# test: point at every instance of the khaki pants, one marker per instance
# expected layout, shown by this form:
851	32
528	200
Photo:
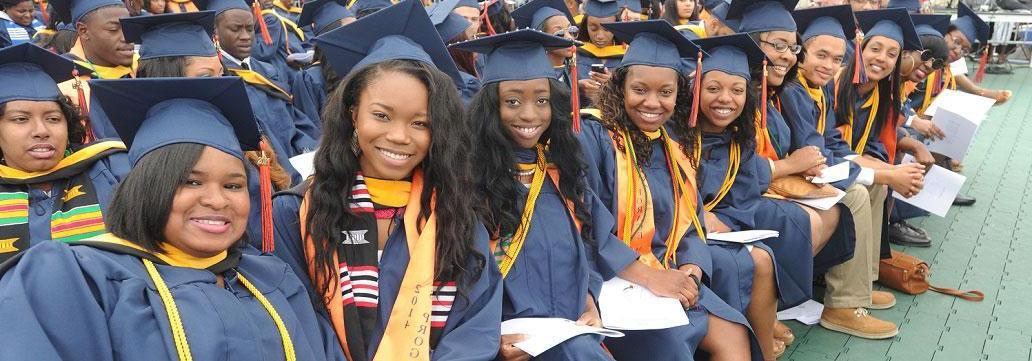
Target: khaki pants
879	193
850	283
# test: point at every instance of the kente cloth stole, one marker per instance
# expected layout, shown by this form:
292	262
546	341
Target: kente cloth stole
76	212
635	218
422	307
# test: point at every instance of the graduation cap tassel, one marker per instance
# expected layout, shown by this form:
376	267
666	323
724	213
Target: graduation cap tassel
261	23
265	180
858	62
84	110
571	68
696	87
983	62
46	15
763	97
486	16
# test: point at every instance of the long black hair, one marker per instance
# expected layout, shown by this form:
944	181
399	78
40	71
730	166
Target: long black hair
494	159
447	176
888	93
614	115
936	45
671	16
163	67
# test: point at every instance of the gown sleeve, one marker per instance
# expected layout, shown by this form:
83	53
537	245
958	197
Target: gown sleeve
51	310
801	113
611	255
477	335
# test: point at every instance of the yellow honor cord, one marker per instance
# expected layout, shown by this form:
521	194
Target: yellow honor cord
817	94
733	164
81	155
176	322
871	103
520	236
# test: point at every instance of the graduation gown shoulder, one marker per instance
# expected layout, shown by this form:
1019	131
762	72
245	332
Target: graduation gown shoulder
472	331
62	302
309	91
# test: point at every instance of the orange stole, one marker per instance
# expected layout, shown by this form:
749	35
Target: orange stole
635	217
407	335
180	6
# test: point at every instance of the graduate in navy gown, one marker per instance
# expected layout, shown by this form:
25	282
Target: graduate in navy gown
552	17
453	28
53	186
545	252
599	47
633	161
311	85
179	45
169	282
807	104
289	130
384	233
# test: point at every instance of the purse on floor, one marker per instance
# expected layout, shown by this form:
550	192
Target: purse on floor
909	274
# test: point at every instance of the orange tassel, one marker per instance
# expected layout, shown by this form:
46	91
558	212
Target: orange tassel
858	63
763	98
696	87
571	68
265	186
261	23
46	16
983	62
84	108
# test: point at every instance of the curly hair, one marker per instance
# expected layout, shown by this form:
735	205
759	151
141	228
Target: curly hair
446	172
494	158
73	119
614	112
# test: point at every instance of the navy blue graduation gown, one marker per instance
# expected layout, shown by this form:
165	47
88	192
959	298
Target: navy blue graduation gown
309	91
472	331
801	113
874	146
745	208
672	343
62	302
290	131
469	88
276	52
555	271
584	62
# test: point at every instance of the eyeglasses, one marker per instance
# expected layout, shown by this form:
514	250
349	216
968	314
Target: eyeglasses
926	56
782	47
958	46
572	30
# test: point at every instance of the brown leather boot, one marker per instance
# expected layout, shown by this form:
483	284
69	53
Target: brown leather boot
857	322
881	300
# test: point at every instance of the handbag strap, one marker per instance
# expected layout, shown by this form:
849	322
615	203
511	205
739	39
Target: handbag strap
973	295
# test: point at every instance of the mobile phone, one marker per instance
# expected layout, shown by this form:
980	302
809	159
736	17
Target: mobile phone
598	68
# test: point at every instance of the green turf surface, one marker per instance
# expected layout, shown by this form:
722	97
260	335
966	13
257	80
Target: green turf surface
987	247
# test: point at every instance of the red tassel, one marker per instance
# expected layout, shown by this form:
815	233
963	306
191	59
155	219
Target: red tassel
696	87
261	23
84	108
571	68
487	18
763	97
265	180
46	15
983	62
858	62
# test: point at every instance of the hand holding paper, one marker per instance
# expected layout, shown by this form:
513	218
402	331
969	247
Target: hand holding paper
628	306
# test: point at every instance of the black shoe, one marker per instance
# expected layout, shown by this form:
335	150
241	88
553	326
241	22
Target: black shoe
903	234
920	231
962	200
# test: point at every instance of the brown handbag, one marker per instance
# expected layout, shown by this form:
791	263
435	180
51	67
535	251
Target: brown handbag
797	187
909	274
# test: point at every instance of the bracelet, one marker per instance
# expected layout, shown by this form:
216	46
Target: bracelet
771	161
